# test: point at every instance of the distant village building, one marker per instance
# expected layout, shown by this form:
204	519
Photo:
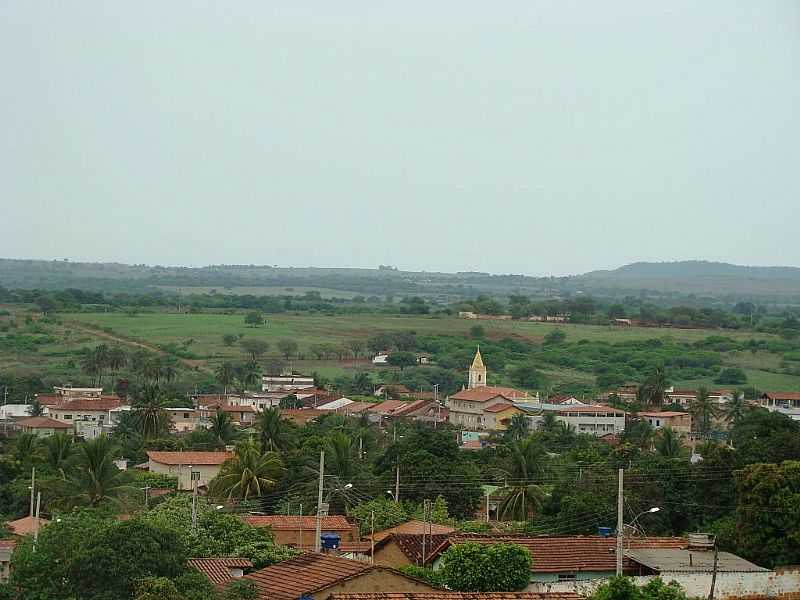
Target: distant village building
284	382
186	466
679	422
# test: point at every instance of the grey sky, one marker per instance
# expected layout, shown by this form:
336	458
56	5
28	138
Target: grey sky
527	137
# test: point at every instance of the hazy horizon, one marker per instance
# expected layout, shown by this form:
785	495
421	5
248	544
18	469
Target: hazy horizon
544	138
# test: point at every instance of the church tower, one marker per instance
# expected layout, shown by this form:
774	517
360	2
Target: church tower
477	372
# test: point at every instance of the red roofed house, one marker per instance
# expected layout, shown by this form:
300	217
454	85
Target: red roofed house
680	422
414	527
221	570
317	576
468	408
42	426
401	549
26	525
205	466
497	416
241	415
773	400
94	412
300	531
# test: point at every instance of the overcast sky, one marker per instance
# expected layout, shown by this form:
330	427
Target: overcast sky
512	137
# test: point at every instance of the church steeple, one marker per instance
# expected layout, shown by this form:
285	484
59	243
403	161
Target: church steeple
477	372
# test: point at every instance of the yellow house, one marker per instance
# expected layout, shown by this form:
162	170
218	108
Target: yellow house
497	416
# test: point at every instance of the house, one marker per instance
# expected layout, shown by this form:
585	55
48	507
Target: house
183	419
6	550
301	416
286	382
300	531
400	549
14	411
497	416
43	426
26	525
565	558
414	527
243	416
200	466
775	400
381	359
221	570
316	576
594	419
683	397
94	410
622	322
679	422
563	399
625	393
395	390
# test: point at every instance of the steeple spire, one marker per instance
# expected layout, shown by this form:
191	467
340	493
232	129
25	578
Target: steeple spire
477	372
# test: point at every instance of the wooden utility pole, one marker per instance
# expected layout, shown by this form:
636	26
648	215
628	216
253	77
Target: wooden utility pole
714	572
317	540
620	525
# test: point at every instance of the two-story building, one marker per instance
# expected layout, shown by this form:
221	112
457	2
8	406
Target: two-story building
680	422
187	466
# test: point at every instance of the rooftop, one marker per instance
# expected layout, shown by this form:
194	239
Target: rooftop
690	561
577	408
304	575
189	458
782	395
664	414
296	522
100	404
411	544
448	595
500	407
415	528
218	570
25	525
43	423
482	394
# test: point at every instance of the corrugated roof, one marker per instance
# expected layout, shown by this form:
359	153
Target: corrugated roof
218	569
305	574
411	545
557	554
296	522
675	560
447	595
189	458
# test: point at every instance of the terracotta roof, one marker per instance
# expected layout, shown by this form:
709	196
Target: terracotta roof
411	407
411	544
43	423
448	595
304	575
388	407
357	547
482	394
189	458
590	408
218	569
500	407
100	404
25	525
295	522
414	527
8	544
48	399
782	395
559	399
552	554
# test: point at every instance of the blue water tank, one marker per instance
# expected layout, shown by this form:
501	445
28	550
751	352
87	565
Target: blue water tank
329	541
604	531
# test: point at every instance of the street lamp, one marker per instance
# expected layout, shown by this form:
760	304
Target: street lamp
391	493
649	511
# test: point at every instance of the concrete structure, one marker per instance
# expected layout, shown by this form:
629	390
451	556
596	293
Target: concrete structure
315	576
14	411
679	422
42	426
498	416
300	531
184	419
205	466
6	550
92	410
477	372
778	400
597	420
286	382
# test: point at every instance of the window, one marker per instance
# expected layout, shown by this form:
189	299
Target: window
67	417
195	475
566	576
185	415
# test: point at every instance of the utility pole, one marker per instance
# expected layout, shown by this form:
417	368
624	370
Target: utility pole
317	541
33	486
300	541
426	507
146	495
372	537
194	498
714	572
487	505
620	525
397	484
36	520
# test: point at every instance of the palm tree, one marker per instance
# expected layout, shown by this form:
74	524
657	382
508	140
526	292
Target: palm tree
94	478
524	498
249	474
221	425
226	375
247	373
116	359
91	366
25	445
549	421
57	449
703	410
518	427
272	430
667	443
339	453
654	387
149	407
736	409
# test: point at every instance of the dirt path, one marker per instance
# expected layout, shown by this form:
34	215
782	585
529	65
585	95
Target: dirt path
188	363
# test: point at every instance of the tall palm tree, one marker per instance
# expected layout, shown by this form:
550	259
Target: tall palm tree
667	443
248	474
116	359
525	497
221	425
57	449
226	375
549	421
735	410
93	477
247	373
272	430
339	454
149	406
518	427
25	445
655	386
703	411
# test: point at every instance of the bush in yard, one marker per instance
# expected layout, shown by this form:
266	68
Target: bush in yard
474	567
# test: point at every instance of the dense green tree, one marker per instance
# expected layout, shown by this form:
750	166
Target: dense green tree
667	443
93	478
254	347
249	474
57	450
518	427
402	359
221	425
148	406
525	496
475	567
703	410
35	408
273	430
254	318
229	339
763	436
288	347
555	337
226	374
731	376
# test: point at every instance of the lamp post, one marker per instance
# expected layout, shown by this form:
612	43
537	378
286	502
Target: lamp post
649	511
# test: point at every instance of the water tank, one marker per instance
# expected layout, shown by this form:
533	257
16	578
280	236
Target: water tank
604	531
329	541
704	541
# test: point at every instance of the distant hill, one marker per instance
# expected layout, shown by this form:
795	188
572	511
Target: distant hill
666	281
